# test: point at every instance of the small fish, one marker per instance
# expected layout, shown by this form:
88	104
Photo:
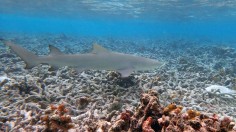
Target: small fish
99	59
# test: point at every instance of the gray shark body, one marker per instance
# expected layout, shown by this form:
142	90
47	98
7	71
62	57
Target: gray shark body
99	59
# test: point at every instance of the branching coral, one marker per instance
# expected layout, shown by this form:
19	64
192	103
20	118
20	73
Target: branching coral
55	119
150	116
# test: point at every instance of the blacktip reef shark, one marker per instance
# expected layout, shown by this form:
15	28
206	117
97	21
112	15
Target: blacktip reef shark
99	59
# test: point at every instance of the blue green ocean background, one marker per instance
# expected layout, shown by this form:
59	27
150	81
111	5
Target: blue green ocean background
204	19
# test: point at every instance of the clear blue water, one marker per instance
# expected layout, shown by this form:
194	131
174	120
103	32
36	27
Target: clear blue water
202	19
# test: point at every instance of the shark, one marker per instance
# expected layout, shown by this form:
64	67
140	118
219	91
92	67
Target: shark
99	58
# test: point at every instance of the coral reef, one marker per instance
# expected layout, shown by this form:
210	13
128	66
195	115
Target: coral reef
55	119
150	116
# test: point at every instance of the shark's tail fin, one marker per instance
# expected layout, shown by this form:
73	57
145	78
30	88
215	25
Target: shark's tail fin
29	58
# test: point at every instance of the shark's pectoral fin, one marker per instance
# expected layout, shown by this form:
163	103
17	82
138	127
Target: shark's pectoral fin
53	68
125	72
29	65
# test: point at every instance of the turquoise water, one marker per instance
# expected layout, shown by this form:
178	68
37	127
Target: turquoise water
206	19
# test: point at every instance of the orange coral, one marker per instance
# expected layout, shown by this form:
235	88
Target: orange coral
61	109
172	109
192	114
53	107
169	108
56	119
178	109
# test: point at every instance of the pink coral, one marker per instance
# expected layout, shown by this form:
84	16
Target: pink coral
146	127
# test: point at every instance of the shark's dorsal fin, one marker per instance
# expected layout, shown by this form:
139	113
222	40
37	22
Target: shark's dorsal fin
99	49
54	51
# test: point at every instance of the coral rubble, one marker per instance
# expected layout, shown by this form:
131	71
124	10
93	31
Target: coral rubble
150	116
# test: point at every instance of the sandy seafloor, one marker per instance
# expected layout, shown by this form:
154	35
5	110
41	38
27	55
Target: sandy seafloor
190	67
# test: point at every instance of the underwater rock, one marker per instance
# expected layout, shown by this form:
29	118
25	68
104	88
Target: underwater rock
123	123
115	106
218	65
102	126
183	60
191	65
82	102
7	55
116	78
3	80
